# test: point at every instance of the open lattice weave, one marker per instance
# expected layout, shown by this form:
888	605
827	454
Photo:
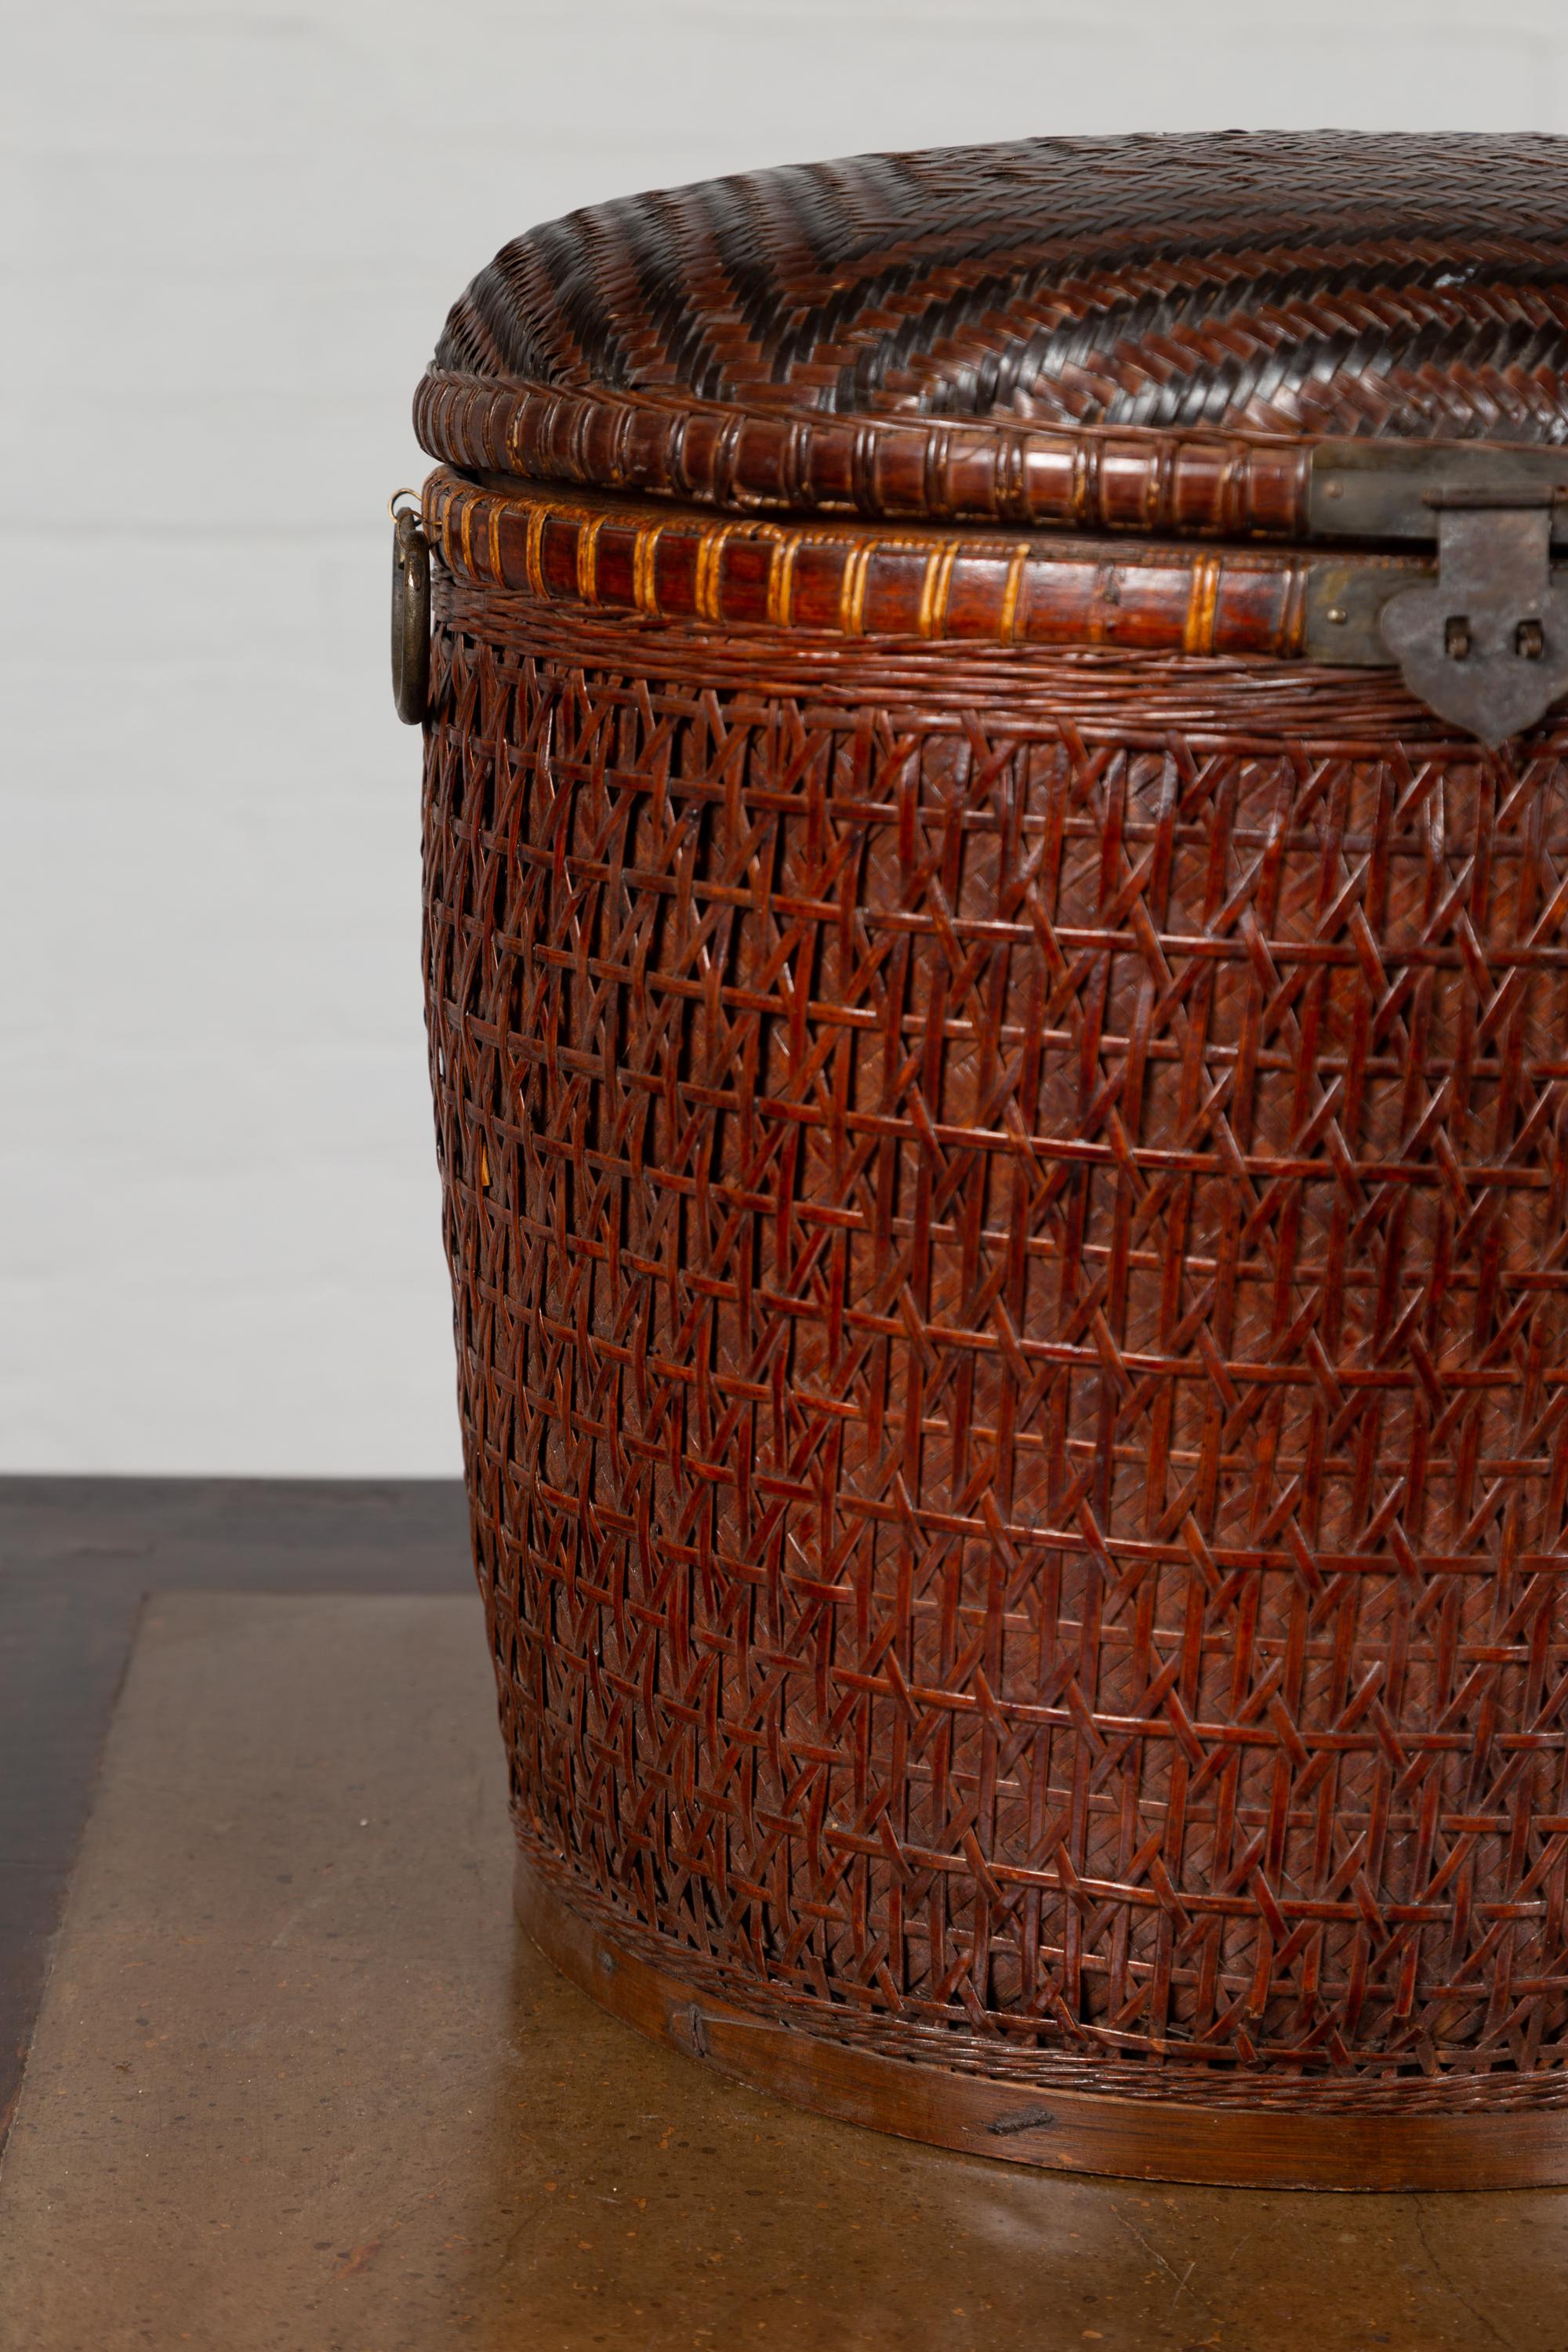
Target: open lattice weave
1009	1215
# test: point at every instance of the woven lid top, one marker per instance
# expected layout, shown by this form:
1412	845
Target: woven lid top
765	339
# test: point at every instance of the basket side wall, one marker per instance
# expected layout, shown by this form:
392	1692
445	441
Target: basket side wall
1009	1273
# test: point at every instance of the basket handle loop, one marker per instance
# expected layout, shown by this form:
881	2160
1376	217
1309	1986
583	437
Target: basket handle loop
410	609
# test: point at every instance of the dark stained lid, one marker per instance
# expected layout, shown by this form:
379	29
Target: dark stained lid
986	331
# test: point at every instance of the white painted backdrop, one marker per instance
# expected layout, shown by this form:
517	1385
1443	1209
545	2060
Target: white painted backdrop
231	230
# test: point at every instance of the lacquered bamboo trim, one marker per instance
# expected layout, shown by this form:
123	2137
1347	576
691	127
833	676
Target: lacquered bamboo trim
1207	484
856	579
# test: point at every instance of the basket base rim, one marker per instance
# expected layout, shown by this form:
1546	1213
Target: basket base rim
1129	2139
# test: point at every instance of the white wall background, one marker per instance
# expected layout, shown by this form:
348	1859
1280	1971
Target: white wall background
231	231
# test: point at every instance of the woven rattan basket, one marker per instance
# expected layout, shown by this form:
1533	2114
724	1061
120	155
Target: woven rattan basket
996	858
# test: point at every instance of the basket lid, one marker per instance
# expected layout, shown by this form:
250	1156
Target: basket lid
1148	332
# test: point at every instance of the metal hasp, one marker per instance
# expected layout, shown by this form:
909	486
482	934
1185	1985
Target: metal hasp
410	614
1487	646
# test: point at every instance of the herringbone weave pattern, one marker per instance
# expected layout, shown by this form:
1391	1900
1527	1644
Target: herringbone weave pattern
1145	334
1010	1229
1320	281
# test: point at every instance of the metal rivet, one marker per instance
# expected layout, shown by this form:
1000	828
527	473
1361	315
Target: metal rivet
1336	613
1333	489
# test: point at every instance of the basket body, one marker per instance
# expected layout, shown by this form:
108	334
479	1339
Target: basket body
1005	1166
1009	1227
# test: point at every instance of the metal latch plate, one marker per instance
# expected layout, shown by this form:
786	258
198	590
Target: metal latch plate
1485	645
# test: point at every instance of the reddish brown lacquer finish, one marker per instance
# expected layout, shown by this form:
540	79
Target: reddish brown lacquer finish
849	579
1005	1150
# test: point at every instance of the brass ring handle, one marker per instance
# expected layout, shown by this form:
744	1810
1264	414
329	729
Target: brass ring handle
410	611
